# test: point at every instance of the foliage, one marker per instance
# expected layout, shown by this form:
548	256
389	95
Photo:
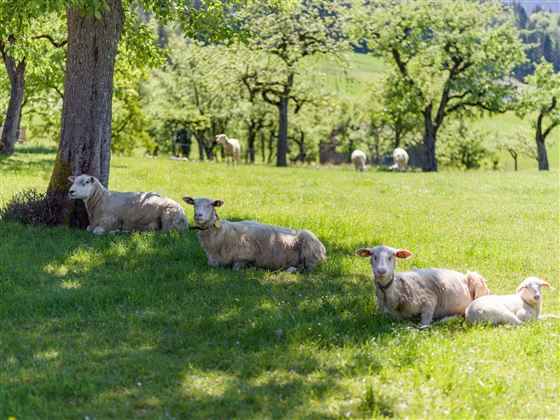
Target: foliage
453	59
541	94
138	325
464	147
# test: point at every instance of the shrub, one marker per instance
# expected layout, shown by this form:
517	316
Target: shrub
31	207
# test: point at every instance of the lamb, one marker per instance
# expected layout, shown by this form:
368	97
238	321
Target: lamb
510	309
126	211
232	148
359	160
429	292
400	160
245	243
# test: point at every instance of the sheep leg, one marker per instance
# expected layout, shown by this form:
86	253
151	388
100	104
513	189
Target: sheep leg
239	264
99	230
548	316
90	228
510	318
212	262
426	316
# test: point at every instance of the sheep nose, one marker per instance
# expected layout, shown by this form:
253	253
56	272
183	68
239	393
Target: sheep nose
72	191
381	271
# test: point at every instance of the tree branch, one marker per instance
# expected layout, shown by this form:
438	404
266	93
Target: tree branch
52	40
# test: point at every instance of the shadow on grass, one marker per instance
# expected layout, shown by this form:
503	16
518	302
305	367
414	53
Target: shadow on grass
138	324
8	164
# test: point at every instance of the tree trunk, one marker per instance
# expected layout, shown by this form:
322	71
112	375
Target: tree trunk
430	131
542	156
397	137
85	137
251	137
16	74
282	148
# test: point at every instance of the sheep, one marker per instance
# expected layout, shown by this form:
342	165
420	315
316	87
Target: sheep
232	148
245	243
125	211
359	160
400	160
510	309
428	292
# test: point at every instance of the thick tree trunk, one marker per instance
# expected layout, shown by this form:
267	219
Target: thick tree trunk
542	156
430	131
282	147
85	137
16	74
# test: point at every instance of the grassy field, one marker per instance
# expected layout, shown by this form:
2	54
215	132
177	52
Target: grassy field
138	325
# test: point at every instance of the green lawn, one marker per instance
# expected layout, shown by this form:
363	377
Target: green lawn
138	326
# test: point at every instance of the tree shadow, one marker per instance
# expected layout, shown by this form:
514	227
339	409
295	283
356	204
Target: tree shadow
139	324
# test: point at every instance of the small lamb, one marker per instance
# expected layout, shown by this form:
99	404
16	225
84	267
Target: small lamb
125	211
245	243
429	292
359	160
510	309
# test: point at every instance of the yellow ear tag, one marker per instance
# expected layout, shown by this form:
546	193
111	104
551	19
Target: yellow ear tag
218	224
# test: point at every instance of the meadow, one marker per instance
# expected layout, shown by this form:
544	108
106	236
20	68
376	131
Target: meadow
138	325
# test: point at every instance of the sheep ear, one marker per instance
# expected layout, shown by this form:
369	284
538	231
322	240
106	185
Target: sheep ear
218	203
403	253
364	252
189	200
71	178
545	284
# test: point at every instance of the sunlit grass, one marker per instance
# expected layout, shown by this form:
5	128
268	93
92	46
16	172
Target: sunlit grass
138	325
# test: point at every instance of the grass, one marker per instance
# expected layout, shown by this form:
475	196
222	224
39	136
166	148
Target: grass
138	325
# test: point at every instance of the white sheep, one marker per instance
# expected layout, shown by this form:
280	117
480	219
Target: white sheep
400	160
434	292
232	147
514	309
359	160
126	211
245	243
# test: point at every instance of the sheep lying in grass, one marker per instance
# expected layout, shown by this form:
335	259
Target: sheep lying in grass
359	160
125	211
400	160
240	244
510	309
431	292
232	147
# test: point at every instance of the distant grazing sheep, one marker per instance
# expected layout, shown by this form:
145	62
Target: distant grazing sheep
232	148
510	309
427	292
245	243
126	211
359	160
400	160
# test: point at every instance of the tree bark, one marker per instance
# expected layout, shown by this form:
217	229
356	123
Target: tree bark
282	147
540	137
85	137
251	137
430	131
542	156
16	74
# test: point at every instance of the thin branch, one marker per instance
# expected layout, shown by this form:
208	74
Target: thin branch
52	40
